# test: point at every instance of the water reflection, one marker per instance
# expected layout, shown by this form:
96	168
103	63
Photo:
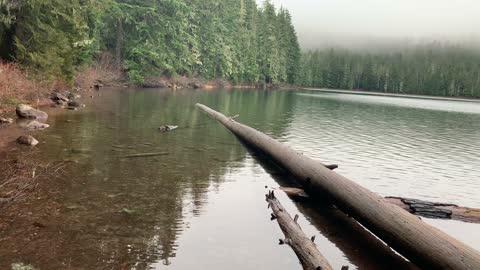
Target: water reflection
394	150
121	212
201	203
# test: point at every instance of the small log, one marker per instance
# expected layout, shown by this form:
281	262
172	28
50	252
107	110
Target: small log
416	240
417	207
304	248
167	128
147	155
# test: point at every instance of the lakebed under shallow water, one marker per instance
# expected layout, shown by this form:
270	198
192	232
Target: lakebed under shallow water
201	203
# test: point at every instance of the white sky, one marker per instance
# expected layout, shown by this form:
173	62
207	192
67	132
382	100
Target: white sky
321	21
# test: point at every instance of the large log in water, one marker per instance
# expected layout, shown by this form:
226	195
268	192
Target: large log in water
307	252
421	243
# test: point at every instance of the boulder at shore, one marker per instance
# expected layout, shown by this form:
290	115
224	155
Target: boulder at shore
59	96
27	140
33	125
6	121
60	102
25	111
73	96
74	104
195	85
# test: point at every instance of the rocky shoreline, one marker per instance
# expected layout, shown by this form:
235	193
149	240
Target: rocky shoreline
20	164
21	125
31	119
27	119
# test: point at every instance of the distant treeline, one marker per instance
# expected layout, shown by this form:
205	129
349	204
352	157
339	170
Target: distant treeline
426	69
227	39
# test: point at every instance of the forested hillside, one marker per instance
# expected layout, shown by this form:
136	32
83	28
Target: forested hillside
212	39
425	69
234	40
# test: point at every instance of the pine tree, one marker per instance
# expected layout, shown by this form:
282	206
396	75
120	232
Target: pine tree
431	69
51	35
221	39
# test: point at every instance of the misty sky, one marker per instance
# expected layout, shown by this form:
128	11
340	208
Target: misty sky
343	21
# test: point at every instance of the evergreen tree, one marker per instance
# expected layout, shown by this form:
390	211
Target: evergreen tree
48	35
431	69
213	39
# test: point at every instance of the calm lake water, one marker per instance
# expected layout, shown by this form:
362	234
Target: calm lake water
201	204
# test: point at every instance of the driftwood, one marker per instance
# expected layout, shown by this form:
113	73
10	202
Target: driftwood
167	128
419	242
147	155
437	210
304	247
359	246
417	207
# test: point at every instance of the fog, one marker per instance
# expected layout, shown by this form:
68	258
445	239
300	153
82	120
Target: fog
362	23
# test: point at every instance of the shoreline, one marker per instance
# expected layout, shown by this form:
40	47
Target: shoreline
382	94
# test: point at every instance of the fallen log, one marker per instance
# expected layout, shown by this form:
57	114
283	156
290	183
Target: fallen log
419	242
414	206
304	248
359	246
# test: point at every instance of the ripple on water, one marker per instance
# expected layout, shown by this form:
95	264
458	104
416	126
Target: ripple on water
432	154
201	202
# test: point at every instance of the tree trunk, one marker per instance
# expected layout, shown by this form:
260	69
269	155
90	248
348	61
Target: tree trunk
421	243
307	252
119	44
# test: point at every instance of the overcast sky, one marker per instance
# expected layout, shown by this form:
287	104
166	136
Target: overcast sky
330	21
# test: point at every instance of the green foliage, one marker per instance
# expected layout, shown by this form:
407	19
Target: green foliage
214	39
52	36
427	70
135	76
208	38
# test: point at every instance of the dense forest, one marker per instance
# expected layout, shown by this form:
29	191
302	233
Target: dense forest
235	40
212	39
428	69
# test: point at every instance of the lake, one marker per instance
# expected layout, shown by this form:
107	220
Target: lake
200	204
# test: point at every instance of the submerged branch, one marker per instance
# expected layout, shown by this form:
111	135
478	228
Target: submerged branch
304	247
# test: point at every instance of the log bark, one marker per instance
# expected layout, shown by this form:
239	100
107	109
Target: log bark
304	248
419	242
414	206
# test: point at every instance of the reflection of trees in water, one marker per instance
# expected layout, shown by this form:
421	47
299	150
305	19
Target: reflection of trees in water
118	212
